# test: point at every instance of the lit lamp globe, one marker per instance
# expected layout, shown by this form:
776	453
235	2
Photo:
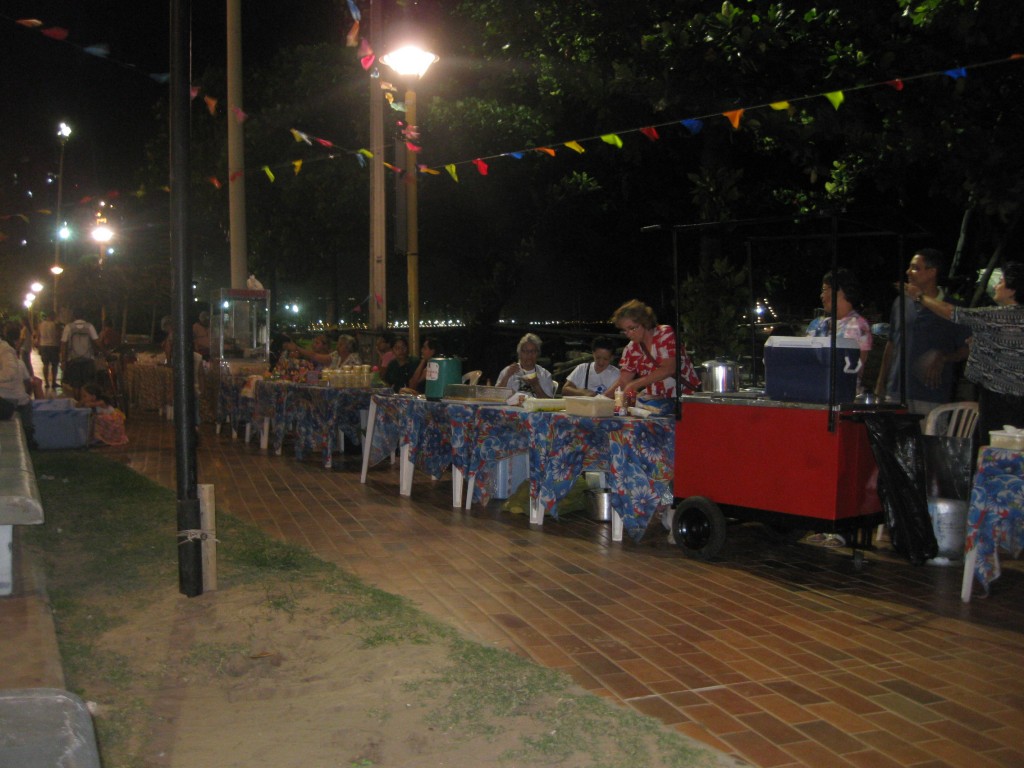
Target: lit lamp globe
37	288
409	60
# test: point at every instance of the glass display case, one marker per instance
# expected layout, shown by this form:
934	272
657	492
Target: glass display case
240	325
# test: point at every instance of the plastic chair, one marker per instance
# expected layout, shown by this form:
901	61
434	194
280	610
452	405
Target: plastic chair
472	377
952	420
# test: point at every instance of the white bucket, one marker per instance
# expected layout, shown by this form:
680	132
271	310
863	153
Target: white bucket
949	522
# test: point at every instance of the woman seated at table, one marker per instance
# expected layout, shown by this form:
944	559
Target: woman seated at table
400	370
590	379
417	383
525	375
295	363
649	359
345	353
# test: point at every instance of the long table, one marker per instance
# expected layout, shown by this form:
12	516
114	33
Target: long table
636	454
319	417
995	518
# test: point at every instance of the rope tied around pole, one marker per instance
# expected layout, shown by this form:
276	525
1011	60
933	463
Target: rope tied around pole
196	534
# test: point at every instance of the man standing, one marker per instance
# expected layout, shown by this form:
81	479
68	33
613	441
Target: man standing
934	345
78	355
49	349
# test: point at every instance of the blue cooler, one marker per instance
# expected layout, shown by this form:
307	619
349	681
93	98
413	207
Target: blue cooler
442	371
796	369
59	424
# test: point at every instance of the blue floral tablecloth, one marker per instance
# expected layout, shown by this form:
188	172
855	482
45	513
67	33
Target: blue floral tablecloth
314	414
995	517
637	454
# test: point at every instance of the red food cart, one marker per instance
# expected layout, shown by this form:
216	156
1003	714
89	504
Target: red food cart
745	457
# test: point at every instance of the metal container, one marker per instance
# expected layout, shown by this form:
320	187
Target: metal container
720	375
949	522
599	505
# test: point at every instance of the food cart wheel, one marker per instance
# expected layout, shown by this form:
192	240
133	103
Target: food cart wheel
698	527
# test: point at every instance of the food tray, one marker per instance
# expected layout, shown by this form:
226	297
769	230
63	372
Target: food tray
589	406
1003	439
477	393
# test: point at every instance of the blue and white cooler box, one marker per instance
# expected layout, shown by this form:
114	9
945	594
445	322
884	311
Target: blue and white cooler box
796	368
59	424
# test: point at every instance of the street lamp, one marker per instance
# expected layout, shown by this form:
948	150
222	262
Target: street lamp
411	63
63	133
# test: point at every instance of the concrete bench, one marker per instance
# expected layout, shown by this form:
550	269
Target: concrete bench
19	495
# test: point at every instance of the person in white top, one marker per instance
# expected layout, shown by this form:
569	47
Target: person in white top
590	379
49	349
525	375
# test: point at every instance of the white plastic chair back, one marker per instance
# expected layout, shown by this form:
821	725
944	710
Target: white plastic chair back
472	377
952	420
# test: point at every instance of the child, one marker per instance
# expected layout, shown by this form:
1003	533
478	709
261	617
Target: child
108	421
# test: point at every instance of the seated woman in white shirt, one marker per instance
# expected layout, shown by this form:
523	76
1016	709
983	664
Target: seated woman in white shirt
525	375
590	379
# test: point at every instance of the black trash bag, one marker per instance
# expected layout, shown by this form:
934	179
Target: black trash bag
948	466
896	443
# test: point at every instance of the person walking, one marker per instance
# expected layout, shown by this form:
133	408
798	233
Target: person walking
49	349
78	348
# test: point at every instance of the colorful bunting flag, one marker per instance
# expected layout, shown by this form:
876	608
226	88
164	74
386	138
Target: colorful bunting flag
693	125
300	136
897	84
102	50
270	173
57	33
354	10
651	133
546	151
575	146
733	117
235	175
835	98
957	73
240	116
481	166
211	104
297	165
778	106
452	172
352	38
215	181
613	139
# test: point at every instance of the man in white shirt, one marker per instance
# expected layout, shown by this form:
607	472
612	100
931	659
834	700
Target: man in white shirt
49	349
590	379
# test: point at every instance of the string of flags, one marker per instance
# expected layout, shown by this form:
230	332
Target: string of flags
409	134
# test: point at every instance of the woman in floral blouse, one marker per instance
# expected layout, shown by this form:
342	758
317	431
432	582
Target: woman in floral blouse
649	359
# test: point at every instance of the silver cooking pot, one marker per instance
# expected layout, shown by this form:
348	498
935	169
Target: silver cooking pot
720	375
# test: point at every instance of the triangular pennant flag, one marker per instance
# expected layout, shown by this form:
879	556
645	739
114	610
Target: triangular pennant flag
354	10
546	150
361	160
651	133
693	125
366	153
431	171
352	38
897	84
835	98
480	166
211	104
367	61
100	49
193	92
300	136
235	175
364	48
452	172
297	165
957	73
322	142
516	155
398	106
733	116
575	146
412	147
391	167
30	23
270	173
778	106
57	33
215	181
240	116
613	139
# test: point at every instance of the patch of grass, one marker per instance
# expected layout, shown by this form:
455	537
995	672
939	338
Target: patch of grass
389	619
213	656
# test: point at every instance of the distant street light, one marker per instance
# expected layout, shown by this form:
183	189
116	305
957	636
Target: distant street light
63	134
411	63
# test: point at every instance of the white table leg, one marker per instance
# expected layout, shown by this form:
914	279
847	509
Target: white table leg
405	470
470	487
616	526
371	417
458	483
536	512
970	560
